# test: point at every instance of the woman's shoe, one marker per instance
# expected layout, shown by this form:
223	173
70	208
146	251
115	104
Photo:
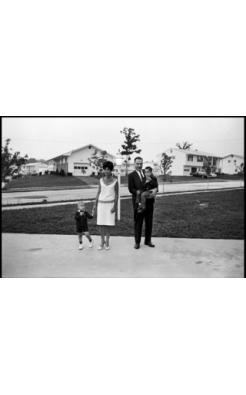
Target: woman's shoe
106	248
101	247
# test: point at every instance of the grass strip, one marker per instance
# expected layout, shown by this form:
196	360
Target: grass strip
214	215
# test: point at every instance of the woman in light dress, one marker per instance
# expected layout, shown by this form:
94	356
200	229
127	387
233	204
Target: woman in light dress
105	204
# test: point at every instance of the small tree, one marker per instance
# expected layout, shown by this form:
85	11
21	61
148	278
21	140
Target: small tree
208	166
97	160
11	163
240	168
129	146
166	164
184	145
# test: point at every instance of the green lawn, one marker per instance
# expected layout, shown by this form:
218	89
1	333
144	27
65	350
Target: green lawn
174	216
47	180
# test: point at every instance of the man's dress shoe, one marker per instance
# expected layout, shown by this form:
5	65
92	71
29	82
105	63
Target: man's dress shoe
149	244
137	246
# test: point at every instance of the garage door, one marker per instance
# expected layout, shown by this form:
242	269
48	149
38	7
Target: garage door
80	169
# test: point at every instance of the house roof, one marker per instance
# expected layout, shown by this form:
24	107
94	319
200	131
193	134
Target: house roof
35	163
240	156
192	152
78	149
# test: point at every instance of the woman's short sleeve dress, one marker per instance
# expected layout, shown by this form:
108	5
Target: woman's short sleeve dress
106	202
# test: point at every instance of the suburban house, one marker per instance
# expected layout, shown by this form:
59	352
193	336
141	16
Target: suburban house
34	168
154	165
76	161
230	163
188	161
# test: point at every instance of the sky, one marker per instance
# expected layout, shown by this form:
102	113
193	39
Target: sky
45	138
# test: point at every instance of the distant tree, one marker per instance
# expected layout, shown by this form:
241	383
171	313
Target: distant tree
11	163
208	165
166	164
129	146
184	145
240	168
97	160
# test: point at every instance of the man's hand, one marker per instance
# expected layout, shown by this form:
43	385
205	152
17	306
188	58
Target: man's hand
138	192
153	194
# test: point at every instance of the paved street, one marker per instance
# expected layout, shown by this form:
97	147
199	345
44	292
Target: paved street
33	255
76	194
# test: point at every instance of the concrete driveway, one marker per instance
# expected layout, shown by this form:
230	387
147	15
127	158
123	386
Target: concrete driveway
28	255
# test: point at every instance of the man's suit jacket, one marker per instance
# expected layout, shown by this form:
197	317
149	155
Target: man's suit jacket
134	184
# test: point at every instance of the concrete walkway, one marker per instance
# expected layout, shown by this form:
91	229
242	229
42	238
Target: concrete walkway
59	203
78	194
32	255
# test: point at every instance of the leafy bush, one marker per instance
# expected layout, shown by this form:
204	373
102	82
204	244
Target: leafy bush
69	174
57	172
62	172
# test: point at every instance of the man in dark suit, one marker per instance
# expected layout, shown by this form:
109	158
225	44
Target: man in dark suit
135	180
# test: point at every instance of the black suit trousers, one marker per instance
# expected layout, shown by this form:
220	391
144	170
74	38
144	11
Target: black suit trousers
147	215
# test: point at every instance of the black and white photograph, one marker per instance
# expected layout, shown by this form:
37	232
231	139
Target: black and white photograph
128	197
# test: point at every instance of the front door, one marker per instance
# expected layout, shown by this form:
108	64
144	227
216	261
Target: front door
193	170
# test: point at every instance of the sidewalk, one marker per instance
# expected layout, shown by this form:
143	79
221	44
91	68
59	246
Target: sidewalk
33	255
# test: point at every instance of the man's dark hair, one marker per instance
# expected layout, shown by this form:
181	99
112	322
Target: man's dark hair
138	157
148	168
108	165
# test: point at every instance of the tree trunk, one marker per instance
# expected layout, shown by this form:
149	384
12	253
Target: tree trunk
127	165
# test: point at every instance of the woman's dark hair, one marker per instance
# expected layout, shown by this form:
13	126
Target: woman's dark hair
148	168
108	165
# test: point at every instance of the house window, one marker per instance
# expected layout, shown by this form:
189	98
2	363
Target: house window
75	167
86	168
229	161
235	161
199	159
171	151
190	158
173	157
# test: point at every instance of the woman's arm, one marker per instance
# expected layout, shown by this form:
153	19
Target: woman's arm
116	189
96	201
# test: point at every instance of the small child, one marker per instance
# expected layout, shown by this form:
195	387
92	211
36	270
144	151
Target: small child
82	227
150	183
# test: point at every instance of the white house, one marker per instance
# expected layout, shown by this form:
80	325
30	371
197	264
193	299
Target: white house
187	161
230	163
154	165
76	161
34	168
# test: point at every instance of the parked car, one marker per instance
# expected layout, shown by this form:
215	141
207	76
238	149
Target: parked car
203	174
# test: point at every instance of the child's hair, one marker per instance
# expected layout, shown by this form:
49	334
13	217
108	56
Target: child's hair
149	168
